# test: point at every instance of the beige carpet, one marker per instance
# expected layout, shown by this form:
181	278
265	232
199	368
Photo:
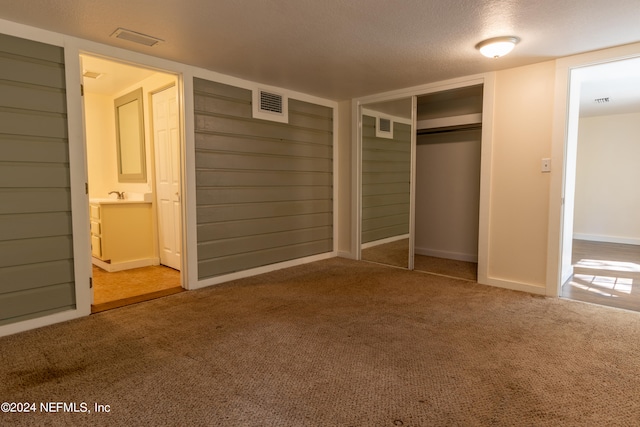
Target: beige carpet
129	283
334	343
447	267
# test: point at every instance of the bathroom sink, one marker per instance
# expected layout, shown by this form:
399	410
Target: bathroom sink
129	198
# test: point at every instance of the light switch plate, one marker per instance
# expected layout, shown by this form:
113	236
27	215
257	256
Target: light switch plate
546	165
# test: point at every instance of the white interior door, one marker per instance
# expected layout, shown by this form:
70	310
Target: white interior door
167	152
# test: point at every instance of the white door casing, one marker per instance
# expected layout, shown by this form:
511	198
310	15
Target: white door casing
166	132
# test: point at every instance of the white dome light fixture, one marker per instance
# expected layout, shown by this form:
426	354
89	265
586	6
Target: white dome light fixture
497	46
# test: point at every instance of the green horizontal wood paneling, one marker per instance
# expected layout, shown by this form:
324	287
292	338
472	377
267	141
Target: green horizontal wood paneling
27	226
31	97
36	244
242	228
216	195
30	175
260	242
227	213
264	190
28	200
382	211
257	128
30	276
261	145
230	264
32	303
35	250
207	160
15	148
220	178
386	177
30	123
28	49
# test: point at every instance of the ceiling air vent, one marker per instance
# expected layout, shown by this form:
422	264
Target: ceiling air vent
135	37
384	127
270	105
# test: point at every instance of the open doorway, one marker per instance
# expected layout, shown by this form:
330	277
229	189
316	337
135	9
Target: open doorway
448	160
601	236
131	117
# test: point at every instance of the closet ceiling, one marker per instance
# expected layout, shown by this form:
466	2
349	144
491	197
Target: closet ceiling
341	49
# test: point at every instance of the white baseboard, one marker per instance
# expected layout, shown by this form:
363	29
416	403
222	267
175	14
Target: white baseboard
346	254
384	241
607	239
121	266
260	270
516	286
447	255
39	322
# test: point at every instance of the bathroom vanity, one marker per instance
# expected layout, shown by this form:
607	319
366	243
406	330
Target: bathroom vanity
122	234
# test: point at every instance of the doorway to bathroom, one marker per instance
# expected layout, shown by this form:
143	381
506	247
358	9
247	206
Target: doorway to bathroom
134	146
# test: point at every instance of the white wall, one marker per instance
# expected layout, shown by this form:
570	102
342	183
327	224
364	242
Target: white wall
448	195
607	197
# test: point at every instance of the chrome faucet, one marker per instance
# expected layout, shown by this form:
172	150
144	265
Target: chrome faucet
119	193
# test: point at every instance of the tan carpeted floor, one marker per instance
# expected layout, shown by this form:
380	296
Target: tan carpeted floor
334	343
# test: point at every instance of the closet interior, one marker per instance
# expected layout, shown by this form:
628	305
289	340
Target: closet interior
447	182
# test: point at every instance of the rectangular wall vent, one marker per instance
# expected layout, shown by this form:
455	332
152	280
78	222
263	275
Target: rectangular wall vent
269	105
384	127
135	37
270	102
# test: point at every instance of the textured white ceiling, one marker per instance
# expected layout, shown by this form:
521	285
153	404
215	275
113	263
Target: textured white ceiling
340	49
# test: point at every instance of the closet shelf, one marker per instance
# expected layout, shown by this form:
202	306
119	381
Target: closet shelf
464	121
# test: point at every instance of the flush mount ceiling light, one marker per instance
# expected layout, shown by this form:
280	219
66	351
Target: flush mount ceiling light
497	46
136	37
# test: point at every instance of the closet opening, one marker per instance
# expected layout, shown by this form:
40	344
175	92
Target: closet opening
447	182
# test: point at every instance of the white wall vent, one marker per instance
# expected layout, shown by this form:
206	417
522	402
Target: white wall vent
270	105
135	37
384	127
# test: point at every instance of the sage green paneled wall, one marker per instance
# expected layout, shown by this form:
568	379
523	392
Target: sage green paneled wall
264	190
386	178
36	253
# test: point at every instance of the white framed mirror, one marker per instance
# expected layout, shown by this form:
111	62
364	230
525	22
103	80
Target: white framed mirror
386	171
130	144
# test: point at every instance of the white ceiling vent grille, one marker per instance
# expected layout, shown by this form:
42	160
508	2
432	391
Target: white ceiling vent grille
384	127
270	105
135	37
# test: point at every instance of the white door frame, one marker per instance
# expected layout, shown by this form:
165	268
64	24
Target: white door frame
488	82
563	153
151	171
